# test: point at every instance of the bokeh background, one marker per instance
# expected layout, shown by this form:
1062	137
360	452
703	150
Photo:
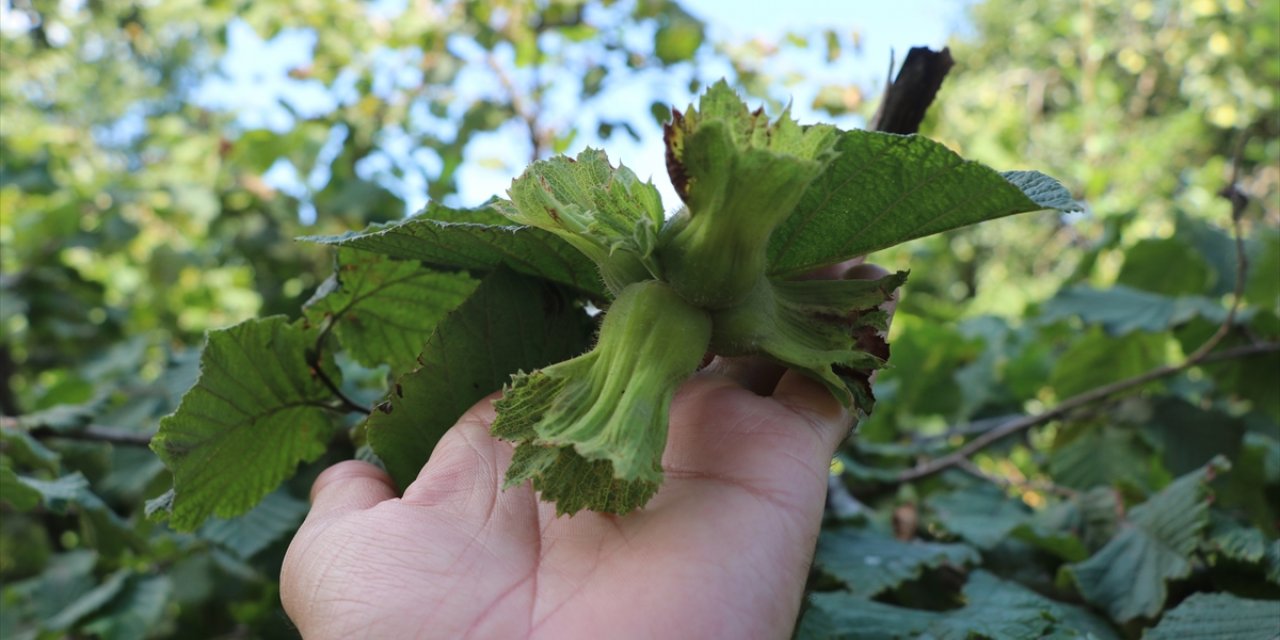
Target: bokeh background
157	160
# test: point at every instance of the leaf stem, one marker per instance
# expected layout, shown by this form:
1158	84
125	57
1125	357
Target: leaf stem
313	362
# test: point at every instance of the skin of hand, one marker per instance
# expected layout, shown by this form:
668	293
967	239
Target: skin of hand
722	551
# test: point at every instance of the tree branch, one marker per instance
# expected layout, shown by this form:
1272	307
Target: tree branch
908	97
962	454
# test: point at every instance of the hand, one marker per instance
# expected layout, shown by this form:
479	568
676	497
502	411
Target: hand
722	551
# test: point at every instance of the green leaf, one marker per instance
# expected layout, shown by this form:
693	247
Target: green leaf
256	411
1099	455
885	189
17	491
135	611
677	40
1206	616
994	608
277	516
607	213
383	310
101	527
1127	576
981	514
479	239
868	562
511	322
88	602
1234	541
1099	359
1188	436
1165	266
1122	310
26	451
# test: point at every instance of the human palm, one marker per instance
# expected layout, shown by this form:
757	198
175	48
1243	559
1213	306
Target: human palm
722	551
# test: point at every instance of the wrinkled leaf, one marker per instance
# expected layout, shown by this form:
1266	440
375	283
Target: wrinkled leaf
255	413
383	310
1219	615
994	608
885	189
476	240
1128	576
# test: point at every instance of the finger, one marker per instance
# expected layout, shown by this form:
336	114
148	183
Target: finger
812	402
351	485
755	374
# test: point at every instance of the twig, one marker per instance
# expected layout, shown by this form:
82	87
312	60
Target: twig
972	469
313	363
527	113
981	442
908	97
967	429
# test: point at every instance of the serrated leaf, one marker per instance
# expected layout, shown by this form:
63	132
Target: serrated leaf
995	608
277	516
511	322
868	562
981	514
479	240
383	310
1234	541
255	413
885	189
1218	616
606	212
1122	310
1127	576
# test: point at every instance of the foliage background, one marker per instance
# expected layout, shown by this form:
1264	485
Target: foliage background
139	209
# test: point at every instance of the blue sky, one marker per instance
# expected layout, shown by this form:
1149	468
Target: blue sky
253	65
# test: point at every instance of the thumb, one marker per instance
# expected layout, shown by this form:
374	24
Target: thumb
351	485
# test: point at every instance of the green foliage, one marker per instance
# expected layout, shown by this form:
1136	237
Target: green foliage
258	409
1218	615
883	190
1152	546
137	214
994	608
